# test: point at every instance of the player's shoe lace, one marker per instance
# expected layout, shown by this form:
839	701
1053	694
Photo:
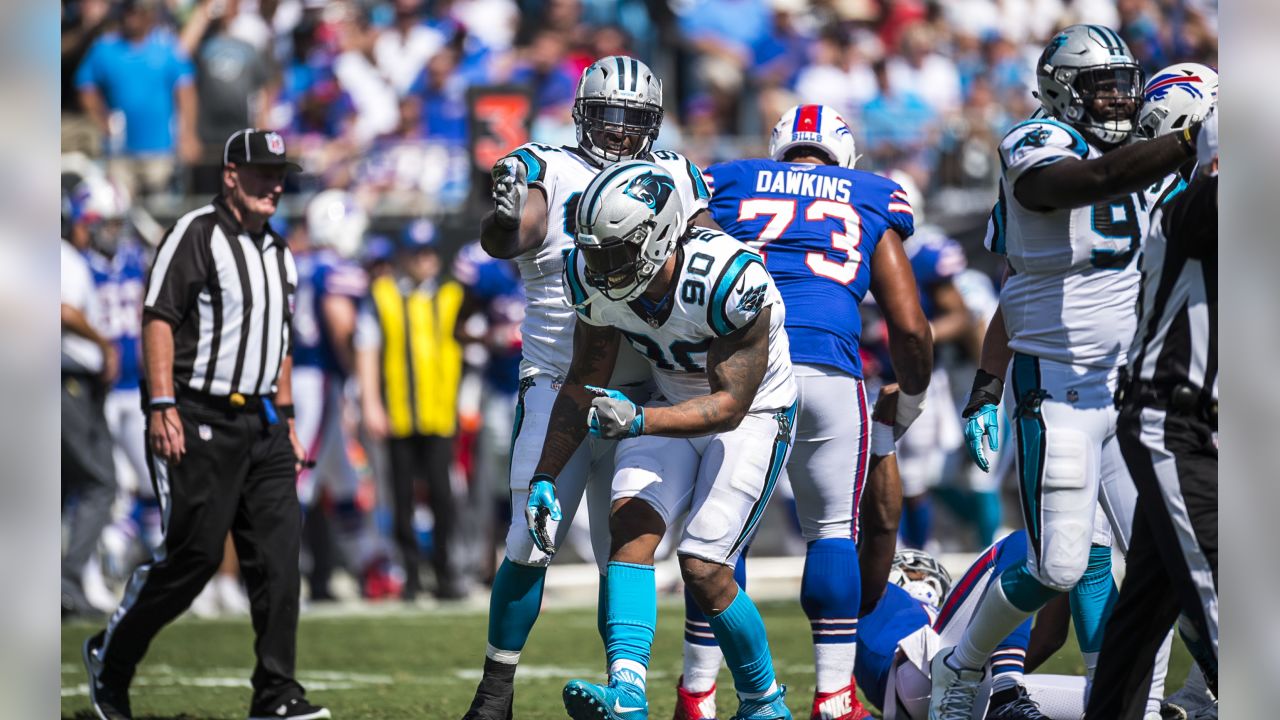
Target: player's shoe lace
1020	707
954	691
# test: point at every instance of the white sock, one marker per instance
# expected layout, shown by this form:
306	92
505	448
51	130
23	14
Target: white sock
991	623
634	670
773	688
1005	681
701	666
835	665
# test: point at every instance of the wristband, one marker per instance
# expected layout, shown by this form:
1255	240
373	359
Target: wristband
162	402
541	477
986	390
285	411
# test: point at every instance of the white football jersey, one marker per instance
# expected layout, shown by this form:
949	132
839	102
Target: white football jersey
563	173
720	285
1074	281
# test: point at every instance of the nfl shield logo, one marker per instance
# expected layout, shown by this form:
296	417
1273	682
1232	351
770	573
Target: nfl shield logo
275	143
206	432
1072	395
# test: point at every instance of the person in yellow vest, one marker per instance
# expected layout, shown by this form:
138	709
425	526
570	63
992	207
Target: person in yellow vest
409	366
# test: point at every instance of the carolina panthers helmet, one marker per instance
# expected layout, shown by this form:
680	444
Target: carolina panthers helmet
814	126
617	109
1085	64
1176	97
917	572
334	220
629	220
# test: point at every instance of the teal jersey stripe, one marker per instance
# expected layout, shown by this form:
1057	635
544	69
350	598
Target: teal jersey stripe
716	314
777	461
999	220
1031	442
535	169
700	190
1078	143
577	292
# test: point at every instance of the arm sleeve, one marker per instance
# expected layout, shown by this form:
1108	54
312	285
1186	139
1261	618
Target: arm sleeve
1036	143
180	272
741	292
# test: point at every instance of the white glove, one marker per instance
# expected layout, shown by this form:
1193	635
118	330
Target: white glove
509	191
909	408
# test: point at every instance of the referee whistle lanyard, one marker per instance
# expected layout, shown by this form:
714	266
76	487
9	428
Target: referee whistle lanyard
269	412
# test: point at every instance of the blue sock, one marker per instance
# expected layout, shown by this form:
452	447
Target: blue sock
1092	599
831	593
513	608
631	621
1024	591
917	521
986	516
741	633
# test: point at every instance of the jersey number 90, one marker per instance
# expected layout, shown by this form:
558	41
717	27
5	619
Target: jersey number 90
781	213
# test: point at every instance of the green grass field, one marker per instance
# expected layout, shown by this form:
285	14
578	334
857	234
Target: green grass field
425	664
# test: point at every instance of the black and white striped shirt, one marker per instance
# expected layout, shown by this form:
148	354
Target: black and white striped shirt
229	297
1177	339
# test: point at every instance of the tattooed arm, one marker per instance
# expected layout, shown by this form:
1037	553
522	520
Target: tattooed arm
735	369
595	349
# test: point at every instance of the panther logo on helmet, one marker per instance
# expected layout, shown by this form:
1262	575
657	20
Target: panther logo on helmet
1088	78
650	189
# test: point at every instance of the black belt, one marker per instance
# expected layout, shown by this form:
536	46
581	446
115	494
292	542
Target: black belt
1179	399
233	403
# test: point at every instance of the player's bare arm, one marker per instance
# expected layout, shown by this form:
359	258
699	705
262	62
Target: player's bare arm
1073	183
704	219
995	346
953	320
595	350
735	368
500	235
339	315
164	428
910	340
879	515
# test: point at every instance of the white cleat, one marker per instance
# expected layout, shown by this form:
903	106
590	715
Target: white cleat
954	691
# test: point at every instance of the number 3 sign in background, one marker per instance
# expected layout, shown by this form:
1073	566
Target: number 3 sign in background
500	116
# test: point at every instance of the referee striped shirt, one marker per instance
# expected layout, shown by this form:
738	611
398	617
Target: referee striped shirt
1177	338
228	294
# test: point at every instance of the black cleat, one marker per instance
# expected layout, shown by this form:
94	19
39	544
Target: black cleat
292	709
109	703
496	693
1014	704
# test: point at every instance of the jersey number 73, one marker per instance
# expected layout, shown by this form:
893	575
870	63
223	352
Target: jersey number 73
782	213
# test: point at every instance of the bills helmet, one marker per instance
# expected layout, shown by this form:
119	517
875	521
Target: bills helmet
334	220
102	207
629	220
816	127
917	572
617	109
1176	97
1087	77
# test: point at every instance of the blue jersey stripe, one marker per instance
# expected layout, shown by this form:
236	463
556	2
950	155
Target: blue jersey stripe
535	169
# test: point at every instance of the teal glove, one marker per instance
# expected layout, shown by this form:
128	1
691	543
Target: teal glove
981	416
613	416
542	512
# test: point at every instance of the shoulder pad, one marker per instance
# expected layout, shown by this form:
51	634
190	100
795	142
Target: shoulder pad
534	158
1037	142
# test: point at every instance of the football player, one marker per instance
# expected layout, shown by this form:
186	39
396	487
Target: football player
537	189
828	233
330	285
705	314
1070	218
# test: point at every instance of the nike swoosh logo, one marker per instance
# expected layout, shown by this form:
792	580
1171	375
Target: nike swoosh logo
617	707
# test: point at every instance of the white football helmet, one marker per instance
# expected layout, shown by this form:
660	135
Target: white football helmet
102	207
1176	97
814	126
1082	66
629	220
917	572
334	220
617	109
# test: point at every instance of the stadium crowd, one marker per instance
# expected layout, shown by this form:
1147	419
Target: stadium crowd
377	99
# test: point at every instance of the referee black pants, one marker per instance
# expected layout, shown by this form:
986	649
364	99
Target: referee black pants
1172	564
237	475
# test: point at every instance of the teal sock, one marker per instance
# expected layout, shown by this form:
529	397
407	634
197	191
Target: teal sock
1092	599
513	608
632	618
740	631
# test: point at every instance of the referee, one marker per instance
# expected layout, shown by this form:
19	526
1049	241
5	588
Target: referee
221	445
1168	432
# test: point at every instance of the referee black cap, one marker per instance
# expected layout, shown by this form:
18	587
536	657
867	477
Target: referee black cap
252	146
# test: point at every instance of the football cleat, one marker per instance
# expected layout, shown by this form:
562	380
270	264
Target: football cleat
954	691
109	703
842	704
496	693
1014	704
616	701
694	706
769	707
1190	702
292	709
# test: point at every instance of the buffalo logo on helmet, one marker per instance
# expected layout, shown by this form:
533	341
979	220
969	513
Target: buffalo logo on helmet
651	189
1160	85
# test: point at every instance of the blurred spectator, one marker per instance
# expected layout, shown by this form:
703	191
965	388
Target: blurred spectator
402	50
143	73
778	56
409	366
722	33
838	75
442	98
895	124
492	22
82	23
923	71
372	97
544	66
231	86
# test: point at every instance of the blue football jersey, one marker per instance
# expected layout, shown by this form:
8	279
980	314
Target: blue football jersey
935	258
817	227
896	616
119	284
321	273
